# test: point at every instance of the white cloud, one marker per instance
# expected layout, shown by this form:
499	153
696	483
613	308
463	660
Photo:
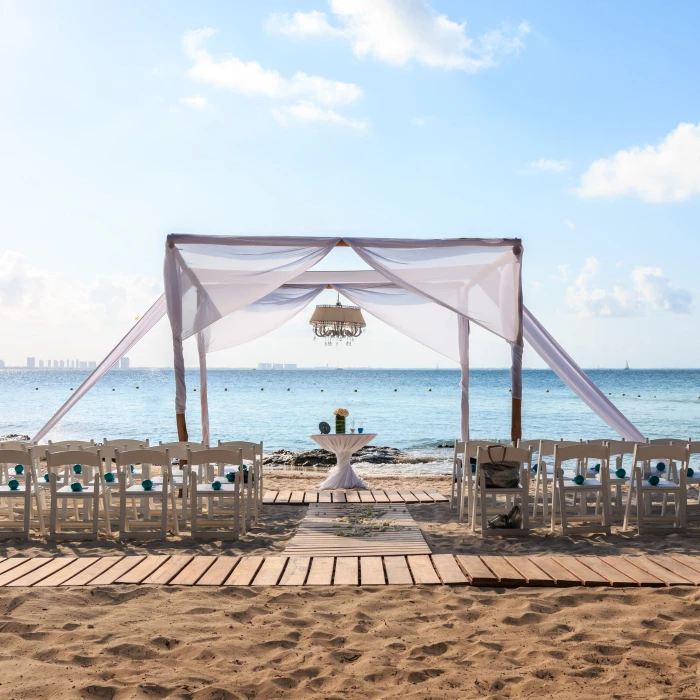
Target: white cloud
570	224
250	78
552	166
419	121
563	273
301	24
309	112
669	172
650	290
619	264
400	31
195	102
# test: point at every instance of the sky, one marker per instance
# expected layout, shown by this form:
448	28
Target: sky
574	126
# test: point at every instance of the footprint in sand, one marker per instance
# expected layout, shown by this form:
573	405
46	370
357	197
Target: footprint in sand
136	652
98	692
424	675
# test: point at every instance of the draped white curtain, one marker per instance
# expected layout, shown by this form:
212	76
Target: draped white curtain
478	278
576	379
143	325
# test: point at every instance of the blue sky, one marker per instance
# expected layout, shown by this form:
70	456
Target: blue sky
573	126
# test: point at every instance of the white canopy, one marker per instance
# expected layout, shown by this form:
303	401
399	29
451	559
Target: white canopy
229	290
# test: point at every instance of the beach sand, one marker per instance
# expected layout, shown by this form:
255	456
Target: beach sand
378	642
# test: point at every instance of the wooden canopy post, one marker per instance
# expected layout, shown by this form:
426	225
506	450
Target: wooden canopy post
182	435
516	370
516	425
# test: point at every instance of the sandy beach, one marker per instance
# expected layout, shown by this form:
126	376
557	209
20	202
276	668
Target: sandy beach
380	642
414	642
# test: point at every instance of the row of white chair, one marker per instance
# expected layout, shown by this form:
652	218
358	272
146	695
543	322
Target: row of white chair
579	471
206	482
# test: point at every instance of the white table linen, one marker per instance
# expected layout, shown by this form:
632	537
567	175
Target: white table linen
344	446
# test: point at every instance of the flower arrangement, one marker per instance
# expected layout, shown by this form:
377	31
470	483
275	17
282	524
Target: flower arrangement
340	415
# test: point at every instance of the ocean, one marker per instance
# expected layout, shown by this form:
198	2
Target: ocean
415	410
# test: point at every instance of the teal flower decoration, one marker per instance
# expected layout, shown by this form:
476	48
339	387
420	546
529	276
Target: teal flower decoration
147	485
216	485
689	472
653	480
46	476
19	469
620	473
13	484
578	479
109	477
77	469
231	477
76	486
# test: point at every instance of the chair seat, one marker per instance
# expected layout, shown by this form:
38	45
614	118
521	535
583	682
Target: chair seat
5	489
138	490
587	484
67	491
661	486
206	489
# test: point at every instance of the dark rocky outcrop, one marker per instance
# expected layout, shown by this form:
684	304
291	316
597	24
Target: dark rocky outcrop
323	458
14	436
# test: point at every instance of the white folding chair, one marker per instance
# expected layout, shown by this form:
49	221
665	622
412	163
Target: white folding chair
621	453
501	453
692	477
83	492
579	485
149	523
17	495
178	452
221	522
544	473
252	452
645	484
458	475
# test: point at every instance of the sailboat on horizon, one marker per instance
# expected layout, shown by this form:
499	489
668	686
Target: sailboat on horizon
627	365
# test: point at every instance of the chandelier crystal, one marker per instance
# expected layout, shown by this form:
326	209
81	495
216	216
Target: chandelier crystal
337	322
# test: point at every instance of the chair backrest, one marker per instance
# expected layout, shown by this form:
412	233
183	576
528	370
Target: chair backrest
158	458
88	458
23	457
69	444
504	453
126	444
584	451
215	455
178	450
251	450
16	445
666	441
648	453
527	444
546	448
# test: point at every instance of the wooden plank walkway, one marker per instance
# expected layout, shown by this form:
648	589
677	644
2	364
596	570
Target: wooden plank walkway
299	498
371	570
317	535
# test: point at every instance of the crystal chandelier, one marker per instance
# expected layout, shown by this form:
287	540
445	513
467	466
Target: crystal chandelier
337	322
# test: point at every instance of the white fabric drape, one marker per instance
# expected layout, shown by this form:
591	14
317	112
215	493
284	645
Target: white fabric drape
574	377
259	318
143	325
478	278
464	379
254	321
344	446
203	396
209	277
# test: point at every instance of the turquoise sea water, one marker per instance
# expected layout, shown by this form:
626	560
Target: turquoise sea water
283	407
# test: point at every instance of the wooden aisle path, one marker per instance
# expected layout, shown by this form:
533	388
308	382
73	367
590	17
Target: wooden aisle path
434	569
302	498
316	535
